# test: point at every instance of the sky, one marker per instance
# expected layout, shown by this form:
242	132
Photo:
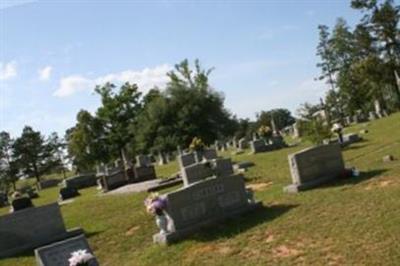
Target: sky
53	53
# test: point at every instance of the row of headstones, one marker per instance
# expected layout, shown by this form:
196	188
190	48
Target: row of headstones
49	227
274	143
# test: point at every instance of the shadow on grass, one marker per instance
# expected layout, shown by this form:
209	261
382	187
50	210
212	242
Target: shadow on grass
355	179
239	224
353	147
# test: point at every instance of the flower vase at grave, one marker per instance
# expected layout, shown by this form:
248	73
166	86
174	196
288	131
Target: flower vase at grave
162	223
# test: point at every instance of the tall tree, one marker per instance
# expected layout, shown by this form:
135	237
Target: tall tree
33	153
8	166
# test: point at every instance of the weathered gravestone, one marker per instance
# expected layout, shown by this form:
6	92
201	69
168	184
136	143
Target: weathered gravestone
314	166
113	180
68	193
257	146
243	144
81	181
143	173
372	116
210	154
196	172
223	167
21	203
278	142
143	160
48	183
58	254
31	228
186	160
204	203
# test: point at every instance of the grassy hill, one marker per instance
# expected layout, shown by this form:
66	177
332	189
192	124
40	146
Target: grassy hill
350	222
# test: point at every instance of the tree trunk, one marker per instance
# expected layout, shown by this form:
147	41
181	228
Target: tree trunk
35	170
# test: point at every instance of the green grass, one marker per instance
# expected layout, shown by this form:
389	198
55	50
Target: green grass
350	222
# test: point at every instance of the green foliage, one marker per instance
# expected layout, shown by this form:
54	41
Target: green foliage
282	118
34	155
315	131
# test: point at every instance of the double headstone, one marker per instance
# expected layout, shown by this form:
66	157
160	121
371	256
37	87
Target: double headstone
81	181
48	183
21	203
204	203
196	172
314	166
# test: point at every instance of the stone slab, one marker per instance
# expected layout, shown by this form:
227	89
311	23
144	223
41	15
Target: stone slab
58	253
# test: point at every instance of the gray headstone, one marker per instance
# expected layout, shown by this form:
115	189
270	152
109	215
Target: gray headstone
81	181
243	144
186	159
48	183
196	172
142	160
314	166
223	167
58	254
204	203
210	154
31	228
145	173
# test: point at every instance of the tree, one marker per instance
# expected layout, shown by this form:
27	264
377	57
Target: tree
119	111
34	155
328	62
282	118
188	108
8	166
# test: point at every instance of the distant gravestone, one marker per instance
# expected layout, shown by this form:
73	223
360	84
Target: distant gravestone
387	158
81	181
144	173
58	254
48	183
21	203
278	142
372	116
68	193
314	166
257	146
204	203
243	144
223	167
186	160
348	120
210	154
31	228
196	172
142	160
114	180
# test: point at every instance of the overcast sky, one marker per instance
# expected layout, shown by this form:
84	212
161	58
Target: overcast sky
53	53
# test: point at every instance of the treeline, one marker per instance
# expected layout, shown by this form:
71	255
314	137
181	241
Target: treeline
362	64
128	123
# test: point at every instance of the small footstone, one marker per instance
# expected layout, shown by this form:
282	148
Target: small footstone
364	131
387	158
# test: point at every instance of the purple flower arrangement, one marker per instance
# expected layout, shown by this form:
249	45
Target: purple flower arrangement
155	204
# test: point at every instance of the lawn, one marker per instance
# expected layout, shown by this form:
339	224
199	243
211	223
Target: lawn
349	222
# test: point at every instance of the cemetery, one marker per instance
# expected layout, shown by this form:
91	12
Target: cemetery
226	216
280	145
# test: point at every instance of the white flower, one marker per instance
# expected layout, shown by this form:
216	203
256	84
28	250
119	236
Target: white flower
79	256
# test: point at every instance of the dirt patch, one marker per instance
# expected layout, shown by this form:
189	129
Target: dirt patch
380	184
259	186
284	251
132	230
270	238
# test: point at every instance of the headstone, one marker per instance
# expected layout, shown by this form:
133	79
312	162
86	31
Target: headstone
142	160
372	116
204	203
314	166
257	146
296	131
196	172
144	173
348	120
21	203
68	193
31	228
355	119
278	142
243	144
162	160
80	181
48	183
58	253
223	167
364	131
186	159
210	154
114	180
351	138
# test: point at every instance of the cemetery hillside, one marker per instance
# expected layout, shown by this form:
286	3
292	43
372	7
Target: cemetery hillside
291	158
350	221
